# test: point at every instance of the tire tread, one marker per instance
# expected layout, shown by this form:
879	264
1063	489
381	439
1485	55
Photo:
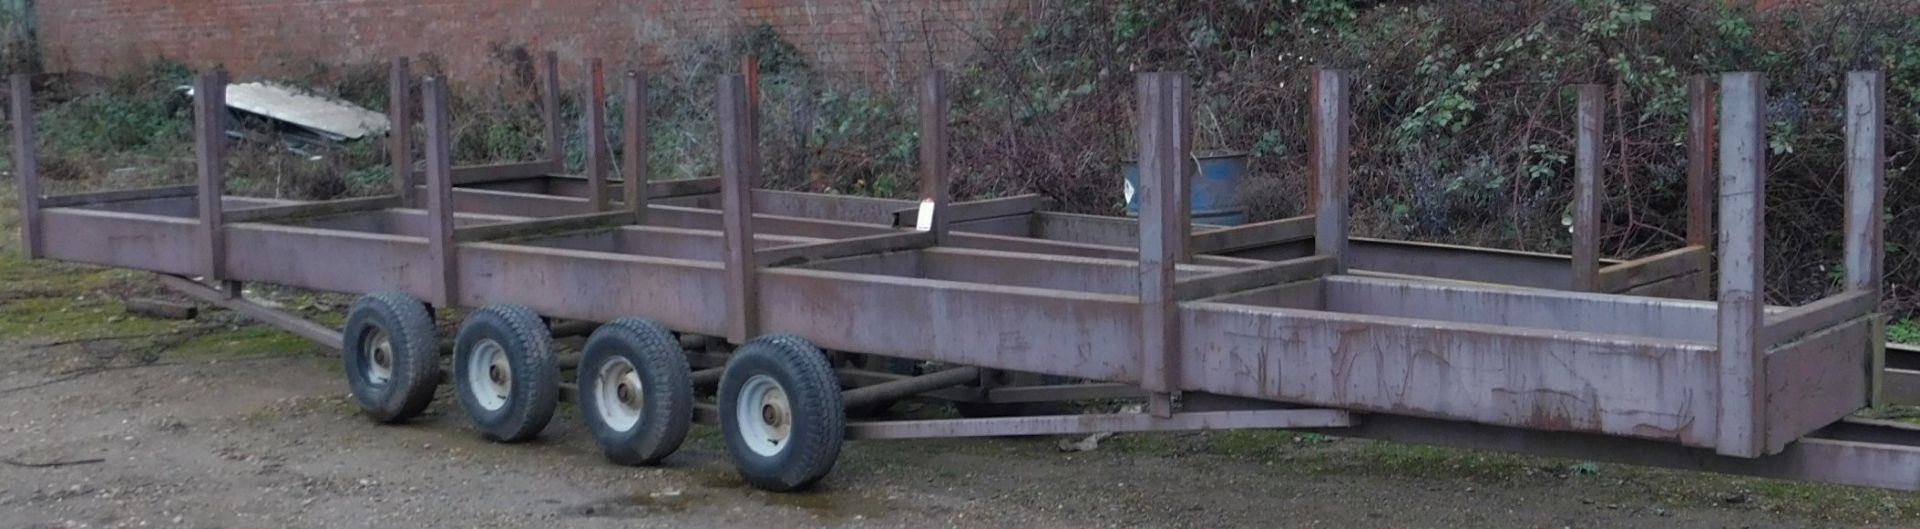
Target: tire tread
536	376
669	388
814	394
417	357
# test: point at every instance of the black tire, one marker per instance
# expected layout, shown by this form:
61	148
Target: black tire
391	355
514	338
640	351
815	422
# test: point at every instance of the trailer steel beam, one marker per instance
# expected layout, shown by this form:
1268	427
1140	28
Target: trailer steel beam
598	162
441	239
1331	153
550	112
1700	157
635	184
27	166
542	226
210	145
907	387
1743	169
739	170
231	300
287	212
1085	424
1588	157
800	254
1166	144
1866	190
400	96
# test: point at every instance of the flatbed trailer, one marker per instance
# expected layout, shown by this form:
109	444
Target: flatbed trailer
1212	342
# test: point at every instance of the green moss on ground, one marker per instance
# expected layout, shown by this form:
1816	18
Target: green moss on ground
75	318
242	341
46	301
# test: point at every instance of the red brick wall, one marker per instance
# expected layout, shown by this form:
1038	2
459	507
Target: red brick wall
879	40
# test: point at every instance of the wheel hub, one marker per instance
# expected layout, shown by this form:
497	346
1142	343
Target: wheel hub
376	351
489	374
764	415
620	396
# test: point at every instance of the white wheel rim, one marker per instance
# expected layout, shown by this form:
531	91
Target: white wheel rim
489	375
619	394
376	356
764	416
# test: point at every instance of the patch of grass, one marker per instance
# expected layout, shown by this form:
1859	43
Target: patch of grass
1145	442
1609	482
1436	462
67	318
704	437
1260	443
1845	505
23	278
244	341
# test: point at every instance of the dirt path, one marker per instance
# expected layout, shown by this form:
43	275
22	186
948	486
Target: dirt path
222	424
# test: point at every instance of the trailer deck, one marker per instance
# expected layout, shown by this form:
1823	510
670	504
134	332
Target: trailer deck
1211	341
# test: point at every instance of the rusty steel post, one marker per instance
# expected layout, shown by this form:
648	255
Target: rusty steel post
1332	136
750	67
739	169
935	190
638	146
1743	169
1700	161
26	166
596	140
400	129
210	145
440	192
1166	147
1588	157
550	111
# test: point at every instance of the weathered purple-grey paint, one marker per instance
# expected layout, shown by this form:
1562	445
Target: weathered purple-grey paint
400	130
1743	170
1588	153
739	171
210	145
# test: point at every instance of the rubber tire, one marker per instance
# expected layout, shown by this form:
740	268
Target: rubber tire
819	420
535	388
416	356
667	387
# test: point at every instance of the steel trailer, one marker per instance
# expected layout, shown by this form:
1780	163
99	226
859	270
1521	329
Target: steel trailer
1212	342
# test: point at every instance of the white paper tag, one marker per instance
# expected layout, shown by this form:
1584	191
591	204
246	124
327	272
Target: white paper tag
925	221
